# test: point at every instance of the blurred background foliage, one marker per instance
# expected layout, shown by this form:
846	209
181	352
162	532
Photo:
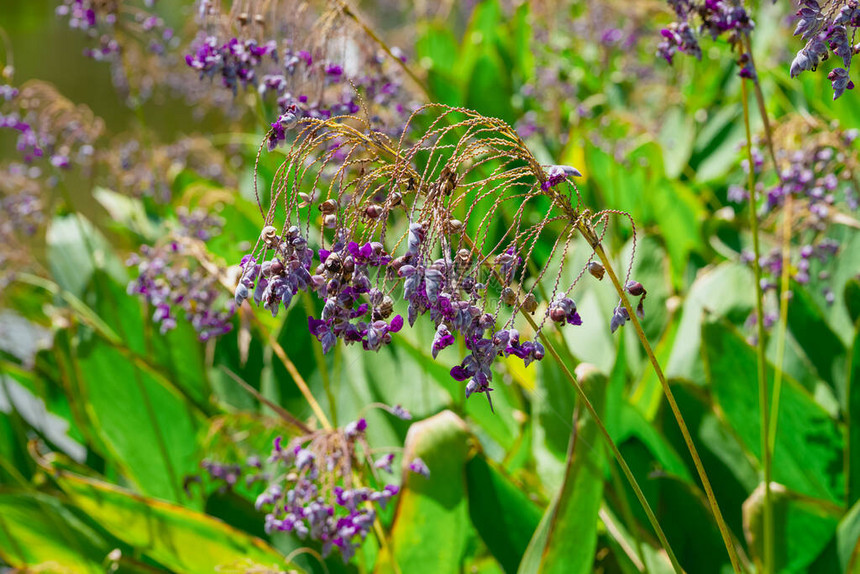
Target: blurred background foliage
103	419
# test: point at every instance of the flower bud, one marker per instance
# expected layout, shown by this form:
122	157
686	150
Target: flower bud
596	270
530	303
635	288
269	235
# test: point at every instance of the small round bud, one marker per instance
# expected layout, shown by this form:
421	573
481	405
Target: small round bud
328	206
530	303
509	297
348	265
455	226
330	221
373	211
464	255
276	268
395	198
596	270
333	263
635	288
557	315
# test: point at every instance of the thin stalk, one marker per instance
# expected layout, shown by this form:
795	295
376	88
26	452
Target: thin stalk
670	397
628	474
583	397
627	513
297	377
321	364
760	346
785	270
350	13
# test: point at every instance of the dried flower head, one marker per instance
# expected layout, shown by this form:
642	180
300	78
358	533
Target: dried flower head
321	236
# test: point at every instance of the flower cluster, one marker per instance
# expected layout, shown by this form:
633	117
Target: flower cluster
316	496
827	29
171	278
102	21
715	17
817	169
23	208
305	81
467	285
49	128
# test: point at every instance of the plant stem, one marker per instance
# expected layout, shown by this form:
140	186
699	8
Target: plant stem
583	397
670	397
785	270
612	446
760	345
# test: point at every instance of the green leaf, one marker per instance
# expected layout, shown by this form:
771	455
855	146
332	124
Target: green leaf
431	528
852	299
36	530
501	512
180	539
852	433
848	541
803	527
149	429
566	538
818	341
727	290
807	453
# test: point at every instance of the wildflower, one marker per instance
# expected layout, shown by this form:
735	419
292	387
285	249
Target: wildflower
418	466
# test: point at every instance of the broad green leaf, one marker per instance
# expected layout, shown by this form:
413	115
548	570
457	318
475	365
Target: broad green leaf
431	529
807	454
803	527
852	421
181	539
848	541
148	428
724	291
37	531
75	250
852	299
501	512
818	341
566	538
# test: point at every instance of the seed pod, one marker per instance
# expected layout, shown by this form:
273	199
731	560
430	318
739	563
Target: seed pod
276	268
386	307
448	180
464	255
330	221
348	265
269	235
373	211
455	226
597	270
395	198
509	297
306	199
530	303
243	18
333	263
328	206
635	288
259	20
557	315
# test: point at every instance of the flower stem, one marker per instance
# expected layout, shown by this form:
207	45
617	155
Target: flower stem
670	397
760	344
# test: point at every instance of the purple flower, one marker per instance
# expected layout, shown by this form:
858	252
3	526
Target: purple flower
419	467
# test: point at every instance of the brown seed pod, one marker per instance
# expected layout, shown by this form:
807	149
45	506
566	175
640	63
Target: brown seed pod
597	270
328	206
333	263
464	255
455	226
395	198
530	303
509	296
269	235
373	211
330	221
